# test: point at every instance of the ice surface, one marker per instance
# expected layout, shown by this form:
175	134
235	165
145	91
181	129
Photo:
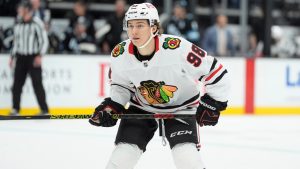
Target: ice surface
237	142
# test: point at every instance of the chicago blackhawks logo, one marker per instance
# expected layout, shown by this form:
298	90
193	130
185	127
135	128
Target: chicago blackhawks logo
156	92
118	50
171	43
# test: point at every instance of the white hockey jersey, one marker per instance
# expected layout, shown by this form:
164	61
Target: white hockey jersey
168	82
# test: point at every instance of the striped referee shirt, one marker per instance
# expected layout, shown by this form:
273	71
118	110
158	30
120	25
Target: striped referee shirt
30	38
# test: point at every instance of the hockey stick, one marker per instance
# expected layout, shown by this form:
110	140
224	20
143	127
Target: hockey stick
86	116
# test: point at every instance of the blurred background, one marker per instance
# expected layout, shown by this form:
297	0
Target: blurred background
259	28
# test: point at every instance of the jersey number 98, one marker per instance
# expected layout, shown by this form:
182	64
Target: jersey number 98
195	56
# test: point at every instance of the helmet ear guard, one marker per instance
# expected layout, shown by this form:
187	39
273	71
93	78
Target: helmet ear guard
141	11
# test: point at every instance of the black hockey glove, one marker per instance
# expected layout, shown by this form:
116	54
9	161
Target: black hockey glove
103	113
208	111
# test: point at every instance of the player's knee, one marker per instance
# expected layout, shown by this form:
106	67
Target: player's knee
186	156
124	156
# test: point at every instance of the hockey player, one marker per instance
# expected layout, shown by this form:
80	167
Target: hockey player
158	73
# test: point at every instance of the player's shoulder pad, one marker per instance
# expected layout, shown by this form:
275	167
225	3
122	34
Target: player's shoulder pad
170	41
119	49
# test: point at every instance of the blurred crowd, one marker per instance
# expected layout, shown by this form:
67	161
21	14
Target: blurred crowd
218	39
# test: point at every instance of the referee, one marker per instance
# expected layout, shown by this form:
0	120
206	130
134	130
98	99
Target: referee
30	43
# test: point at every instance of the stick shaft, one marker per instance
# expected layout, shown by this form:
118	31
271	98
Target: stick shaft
86	116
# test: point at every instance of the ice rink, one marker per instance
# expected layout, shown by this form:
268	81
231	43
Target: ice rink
237	142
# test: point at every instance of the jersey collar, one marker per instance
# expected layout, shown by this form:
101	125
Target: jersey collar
130	47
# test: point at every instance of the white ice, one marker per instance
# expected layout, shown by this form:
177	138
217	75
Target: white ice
237	142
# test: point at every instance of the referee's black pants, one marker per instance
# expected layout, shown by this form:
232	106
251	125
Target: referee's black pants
24	65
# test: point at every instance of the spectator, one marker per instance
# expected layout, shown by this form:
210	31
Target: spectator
114	28
28	56
8	33
255	46
55	41
183	24
282	46
7	39
218	39
41	12
79	41
80	13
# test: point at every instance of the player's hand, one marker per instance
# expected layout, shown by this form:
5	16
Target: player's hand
103	113
208	111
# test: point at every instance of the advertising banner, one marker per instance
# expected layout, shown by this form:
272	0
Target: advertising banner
69	81
277	85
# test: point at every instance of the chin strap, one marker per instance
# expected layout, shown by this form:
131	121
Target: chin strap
148	41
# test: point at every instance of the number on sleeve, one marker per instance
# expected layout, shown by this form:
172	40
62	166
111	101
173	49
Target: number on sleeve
194	57
198	51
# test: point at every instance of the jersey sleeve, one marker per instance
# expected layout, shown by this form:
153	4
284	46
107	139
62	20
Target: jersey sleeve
120	88
208	70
